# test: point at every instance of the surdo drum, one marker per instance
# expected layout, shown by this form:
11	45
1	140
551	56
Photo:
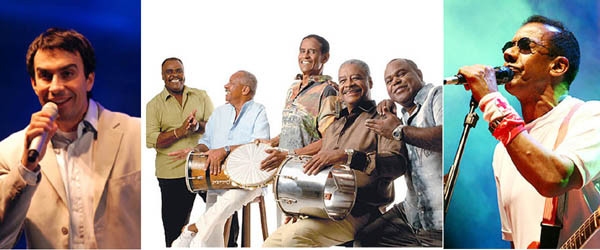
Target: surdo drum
329	194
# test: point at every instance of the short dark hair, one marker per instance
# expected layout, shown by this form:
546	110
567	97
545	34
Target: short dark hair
169	59
68	40
321	40
408	61
562	43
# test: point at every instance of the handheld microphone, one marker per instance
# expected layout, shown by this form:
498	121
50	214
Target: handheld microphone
503	75
36	144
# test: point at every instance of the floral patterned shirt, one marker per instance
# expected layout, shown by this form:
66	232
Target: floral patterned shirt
308	111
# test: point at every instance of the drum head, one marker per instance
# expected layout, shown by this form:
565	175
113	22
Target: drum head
187	172
243	166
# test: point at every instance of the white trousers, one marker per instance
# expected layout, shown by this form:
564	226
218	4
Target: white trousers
211	224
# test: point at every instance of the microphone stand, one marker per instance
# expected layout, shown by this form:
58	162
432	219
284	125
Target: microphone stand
470	122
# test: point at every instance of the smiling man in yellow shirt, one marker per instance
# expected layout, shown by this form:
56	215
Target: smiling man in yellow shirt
175	119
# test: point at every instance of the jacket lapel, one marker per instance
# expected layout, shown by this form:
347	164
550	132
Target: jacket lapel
50	169
105	151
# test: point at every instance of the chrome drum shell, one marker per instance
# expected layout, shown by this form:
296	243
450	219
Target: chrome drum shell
329	194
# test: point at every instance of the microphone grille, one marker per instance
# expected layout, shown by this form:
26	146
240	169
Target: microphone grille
504	74
51	108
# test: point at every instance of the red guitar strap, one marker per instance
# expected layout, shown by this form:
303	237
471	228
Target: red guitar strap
554	208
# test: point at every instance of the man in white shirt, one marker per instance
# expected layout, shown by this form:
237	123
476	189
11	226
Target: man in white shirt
554	148
83	189
239	121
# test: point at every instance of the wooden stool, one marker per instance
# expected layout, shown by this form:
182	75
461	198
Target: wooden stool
246	222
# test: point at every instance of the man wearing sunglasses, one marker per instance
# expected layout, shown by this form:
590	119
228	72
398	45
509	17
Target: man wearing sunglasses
551	149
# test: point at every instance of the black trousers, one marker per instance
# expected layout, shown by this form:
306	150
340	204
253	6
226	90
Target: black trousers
393	230
177	203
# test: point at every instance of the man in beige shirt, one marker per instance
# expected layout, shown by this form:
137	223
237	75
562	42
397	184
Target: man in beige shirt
376	162
175	119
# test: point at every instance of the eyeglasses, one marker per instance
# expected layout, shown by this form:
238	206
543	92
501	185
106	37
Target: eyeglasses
524	45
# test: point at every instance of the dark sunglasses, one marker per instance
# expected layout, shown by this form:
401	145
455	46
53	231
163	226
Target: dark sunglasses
524	45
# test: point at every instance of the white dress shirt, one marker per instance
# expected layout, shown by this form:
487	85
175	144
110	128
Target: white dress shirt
74	157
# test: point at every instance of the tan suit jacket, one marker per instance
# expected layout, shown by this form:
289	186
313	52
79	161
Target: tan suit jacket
116	167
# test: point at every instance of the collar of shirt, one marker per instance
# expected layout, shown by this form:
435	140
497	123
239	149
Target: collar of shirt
242	110
311	80
88	124
164	94
90	121
315	78
566	103
223	130
184	96
363	106
420	97
319	78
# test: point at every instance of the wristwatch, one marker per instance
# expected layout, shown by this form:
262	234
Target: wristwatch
227	149
350	153
397	133
494	124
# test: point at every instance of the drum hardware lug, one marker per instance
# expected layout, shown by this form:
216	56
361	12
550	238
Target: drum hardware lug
289	177
335	181
221	182
287	200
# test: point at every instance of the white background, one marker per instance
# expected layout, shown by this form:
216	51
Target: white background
216	38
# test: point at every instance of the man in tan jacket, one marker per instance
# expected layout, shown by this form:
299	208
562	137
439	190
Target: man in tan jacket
83	189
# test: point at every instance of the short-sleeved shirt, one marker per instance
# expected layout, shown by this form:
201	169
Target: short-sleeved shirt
307	112
423	204
163	113
223	129
386	157
521	206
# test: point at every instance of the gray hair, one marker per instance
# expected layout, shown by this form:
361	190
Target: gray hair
362	65
249	80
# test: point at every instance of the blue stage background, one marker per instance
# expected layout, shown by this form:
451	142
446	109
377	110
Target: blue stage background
113	28
474	33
